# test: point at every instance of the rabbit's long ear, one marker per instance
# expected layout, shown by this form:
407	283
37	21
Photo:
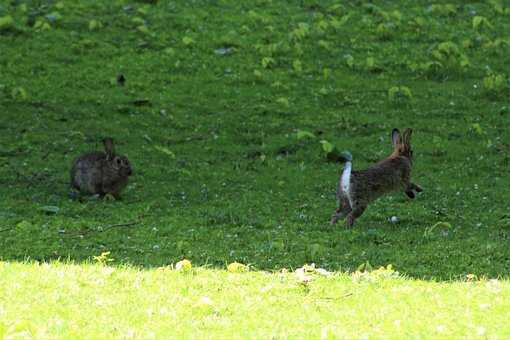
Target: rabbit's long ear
406	138
395	137
109	148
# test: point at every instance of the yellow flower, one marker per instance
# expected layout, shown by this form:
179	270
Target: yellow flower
183	265
236	267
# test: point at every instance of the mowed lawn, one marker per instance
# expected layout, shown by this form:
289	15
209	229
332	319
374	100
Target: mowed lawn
227	111
96	302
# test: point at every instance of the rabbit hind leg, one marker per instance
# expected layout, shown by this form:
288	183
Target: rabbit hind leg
341	212
356	212
415	187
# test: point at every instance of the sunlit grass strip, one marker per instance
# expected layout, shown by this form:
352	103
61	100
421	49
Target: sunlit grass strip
96	301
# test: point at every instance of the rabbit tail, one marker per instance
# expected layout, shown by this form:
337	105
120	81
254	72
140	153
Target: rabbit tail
345	180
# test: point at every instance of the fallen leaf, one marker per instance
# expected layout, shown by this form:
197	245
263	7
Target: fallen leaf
141	102
50	209
165	150
183	265
121	80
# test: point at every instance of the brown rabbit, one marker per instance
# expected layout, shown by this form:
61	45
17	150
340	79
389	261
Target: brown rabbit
357	189
100	172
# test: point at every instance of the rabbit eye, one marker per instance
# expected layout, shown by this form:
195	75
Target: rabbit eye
119	161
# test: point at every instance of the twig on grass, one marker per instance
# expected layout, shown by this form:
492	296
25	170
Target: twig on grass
111	226
46	154
335	297
101	229
6	229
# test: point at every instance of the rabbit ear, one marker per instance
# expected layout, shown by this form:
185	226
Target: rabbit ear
395	137
406	137
109	148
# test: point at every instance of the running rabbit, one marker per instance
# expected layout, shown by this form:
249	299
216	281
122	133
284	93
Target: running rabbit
100	172
357	189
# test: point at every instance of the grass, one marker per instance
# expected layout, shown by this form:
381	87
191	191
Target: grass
215	98
95	301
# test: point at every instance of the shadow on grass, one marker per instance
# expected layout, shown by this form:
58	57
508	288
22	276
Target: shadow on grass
264	236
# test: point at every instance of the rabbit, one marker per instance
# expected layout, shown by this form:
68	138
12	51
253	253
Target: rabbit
101	173
357	189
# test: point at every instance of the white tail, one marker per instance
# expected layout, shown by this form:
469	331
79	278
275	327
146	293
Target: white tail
345	182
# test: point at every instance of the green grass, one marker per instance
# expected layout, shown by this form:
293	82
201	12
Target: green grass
220	173
91	301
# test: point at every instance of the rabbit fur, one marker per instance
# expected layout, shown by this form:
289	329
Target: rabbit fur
357	189
101	173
